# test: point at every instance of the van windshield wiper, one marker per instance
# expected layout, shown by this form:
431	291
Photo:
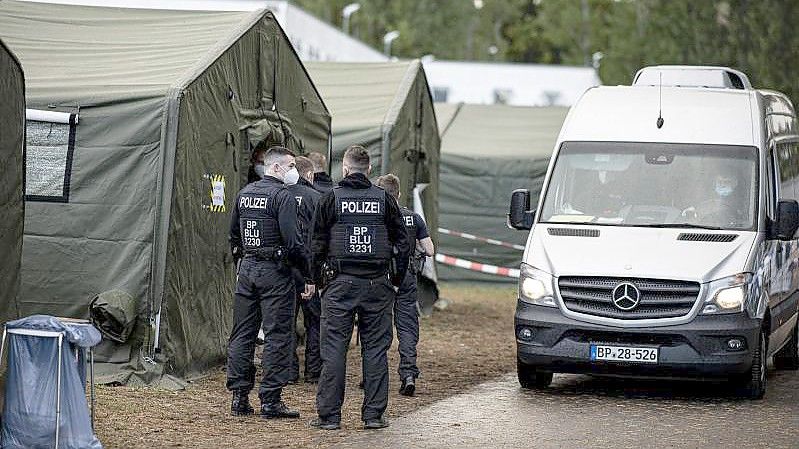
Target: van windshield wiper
679	225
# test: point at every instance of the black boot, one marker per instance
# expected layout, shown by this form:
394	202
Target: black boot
277	410
240	406
408	386
319	423
311	378
375	423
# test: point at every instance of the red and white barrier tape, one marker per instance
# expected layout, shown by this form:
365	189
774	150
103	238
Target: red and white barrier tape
481	239
475	266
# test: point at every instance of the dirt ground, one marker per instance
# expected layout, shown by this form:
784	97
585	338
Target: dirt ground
468	343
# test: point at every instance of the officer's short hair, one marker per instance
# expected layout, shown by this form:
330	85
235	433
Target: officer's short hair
357	159
390	183
275	154
304	165
255	153
319	161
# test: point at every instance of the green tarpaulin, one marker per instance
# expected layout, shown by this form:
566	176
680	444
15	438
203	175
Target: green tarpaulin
134	191
486	153
387	108
12	179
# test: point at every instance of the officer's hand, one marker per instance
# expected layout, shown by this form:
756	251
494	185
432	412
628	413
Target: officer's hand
310	289
237	253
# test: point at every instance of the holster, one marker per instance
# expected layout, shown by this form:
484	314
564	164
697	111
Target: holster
417	262
393	266
328	274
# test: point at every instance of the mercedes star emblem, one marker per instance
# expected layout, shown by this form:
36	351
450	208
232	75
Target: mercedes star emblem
626	296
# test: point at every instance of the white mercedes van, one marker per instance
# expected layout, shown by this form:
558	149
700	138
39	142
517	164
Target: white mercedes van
664	242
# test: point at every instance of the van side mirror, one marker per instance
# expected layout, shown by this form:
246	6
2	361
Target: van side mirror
520	216
787	221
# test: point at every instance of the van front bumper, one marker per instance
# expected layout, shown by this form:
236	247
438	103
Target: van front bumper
697	349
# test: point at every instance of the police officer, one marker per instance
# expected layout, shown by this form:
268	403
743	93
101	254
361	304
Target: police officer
264	226
306	197
406	311
355	228
321	181
257	168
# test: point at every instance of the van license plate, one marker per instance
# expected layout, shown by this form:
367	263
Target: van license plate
624	354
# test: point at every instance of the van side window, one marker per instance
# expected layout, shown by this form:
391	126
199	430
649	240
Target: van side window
788	169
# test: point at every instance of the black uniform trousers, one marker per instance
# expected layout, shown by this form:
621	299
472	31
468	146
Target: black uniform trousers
406	320
372	299
264	293
311	312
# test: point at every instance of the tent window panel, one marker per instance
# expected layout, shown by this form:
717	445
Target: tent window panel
48	159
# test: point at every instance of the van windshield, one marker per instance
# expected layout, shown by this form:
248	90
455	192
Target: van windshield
653	185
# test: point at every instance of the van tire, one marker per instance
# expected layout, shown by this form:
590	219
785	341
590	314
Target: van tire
787	358
753	384
530	378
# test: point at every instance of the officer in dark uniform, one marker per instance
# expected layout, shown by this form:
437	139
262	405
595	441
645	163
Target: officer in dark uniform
264	226
406	310
355	229
306	197
321	180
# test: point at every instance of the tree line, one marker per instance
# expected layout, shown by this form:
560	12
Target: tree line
755	36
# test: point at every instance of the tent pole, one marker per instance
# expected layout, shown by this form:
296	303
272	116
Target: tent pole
157	332
3	345
385	158
58	393
91	381
329	152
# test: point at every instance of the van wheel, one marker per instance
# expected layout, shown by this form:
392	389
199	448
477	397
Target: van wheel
788	357
530	378
753	383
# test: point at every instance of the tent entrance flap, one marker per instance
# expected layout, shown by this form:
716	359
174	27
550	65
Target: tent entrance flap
12	180
268	126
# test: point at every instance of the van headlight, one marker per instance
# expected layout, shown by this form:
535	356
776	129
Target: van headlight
535	287
727	295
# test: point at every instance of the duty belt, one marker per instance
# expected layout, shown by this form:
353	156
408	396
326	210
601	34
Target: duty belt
273	253
358	268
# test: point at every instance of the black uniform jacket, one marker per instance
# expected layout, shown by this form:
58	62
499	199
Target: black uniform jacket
322	182
326	217
307	197
296	249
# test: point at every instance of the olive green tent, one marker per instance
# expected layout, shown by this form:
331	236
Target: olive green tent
131	188
486	153
12	179
387	108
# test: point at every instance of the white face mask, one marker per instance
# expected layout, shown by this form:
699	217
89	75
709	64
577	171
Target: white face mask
260	170
291	177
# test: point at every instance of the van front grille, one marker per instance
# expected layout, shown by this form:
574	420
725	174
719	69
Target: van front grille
657	298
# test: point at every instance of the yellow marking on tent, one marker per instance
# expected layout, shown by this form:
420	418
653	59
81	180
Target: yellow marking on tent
217	193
